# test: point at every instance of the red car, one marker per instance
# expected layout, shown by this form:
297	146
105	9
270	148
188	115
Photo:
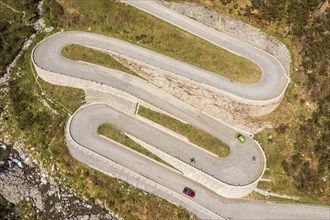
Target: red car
189	192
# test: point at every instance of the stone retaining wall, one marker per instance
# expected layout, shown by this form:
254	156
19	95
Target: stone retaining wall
227	108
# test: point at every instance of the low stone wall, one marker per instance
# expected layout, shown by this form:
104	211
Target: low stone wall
221	188
95	92
97	96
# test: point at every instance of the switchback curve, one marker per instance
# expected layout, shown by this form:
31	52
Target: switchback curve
237	169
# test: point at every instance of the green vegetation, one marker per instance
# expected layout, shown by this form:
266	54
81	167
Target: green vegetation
130	24
195	135
306	162
115	134
77	52
53	13
297	149
14	29
37	111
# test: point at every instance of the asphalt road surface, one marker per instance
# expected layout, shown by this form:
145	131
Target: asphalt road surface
237	169
274	78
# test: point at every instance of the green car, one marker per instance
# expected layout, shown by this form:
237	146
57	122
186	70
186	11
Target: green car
240	137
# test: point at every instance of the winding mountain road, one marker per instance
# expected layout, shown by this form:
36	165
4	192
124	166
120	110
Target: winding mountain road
236	170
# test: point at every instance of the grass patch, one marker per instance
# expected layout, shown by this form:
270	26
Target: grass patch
195	135
130	24
29	7
40	121
77	52
14	29
58	95
118	136
9	15
275	150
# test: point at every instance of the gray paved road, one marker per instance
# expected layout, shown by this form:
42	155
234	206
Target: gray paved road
274	78
238	164
47	56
